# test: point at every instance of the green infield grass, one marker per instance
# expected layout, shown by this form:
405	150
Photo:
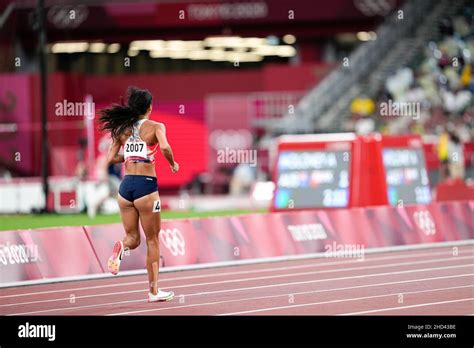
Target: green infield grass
22	221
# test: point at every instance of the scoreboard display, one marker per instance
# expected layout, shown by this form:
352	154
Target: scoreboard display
313	175
318	171
406	176
311	179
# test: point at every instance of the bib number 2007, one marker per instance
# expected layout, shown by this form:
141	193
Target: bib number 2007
134	147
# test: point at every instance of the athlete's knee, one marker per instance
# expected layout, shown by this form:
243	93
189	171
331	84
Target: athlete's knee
133	240
152	241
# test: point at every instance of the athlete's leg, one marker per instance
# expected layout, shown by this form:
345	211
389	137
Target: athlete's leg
150	219
129	215
131	240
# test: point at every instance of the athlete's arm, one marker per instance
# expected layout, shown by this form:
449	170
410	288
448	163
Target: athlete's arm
113	156
165	147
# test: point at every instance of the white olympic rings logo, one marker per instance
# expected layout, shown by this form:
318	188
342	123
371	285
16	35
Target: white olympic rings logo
67	16
231	138
173	240
374	7
424	221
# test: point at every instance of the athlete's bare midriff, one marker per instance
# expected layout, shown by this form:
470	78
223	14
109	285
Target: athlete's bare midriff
147	169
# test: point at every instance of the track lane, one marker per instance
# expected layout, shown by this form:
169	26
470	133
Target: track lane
36	290
234	287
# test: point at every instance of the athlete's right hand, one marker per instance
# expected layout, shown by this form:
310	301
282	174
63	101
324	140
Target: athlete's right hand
175	167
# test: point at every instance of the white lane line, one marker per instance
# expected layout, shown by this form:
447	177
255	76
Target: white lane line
274	259
351	261
238	300
143	300
258	287
286	275
351	299
286	295
405	254
412	306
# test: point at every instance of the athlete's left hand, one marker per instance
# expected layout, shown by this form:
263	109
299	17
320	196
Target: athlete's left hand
175	167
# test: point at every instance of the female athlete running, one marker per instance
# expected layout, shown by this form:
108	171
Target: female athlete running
138	197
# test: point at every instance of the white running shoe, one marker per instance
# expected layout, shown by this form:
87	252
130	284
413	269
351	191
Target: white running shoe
117	255
161	296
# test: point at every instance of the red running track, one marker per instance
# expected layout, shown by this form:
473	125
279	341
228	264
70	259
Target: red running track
435	281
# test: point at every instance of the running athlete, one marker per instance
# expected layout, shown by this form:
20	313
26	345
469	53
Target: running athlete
138	196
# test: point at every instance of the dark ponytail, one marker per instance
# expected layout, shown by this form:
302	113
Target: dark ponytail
117	118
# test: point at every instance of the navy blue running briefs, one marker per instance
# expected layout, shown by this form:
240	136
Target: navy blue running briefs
137	186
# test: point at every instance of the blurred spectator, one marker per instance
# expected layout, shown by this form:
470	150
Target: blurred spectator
446	27
197	185
455	157
243	179
442	84
5	173
397	85
363	106
81	167
456	102
443	155
364	125
107	183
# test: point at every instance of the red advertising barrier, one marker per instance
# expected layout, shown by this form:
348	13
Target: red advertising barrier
18	257
46	253
61	252
454	190
172	242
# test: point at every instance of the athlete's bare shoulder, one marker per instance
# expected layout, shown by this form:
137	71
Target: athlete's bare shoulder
157	125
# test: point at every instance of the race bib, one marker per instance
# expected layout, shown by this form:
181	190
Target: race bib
135	150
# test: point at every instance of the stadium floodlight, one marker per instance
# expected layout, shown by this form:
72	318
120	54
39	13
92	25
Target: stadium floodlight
285	51
272	40
241	49
158	54
199	55
183	45
363	36
177	54
366	36
265	50
223	41
113	48
254	41
289	39
132	53
69	47
218	55
234	41
250	57
97	47
175	45
243	57
147	45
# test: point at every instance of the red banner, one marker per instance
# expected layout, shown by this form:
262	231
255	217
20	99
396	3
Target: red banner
46	253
